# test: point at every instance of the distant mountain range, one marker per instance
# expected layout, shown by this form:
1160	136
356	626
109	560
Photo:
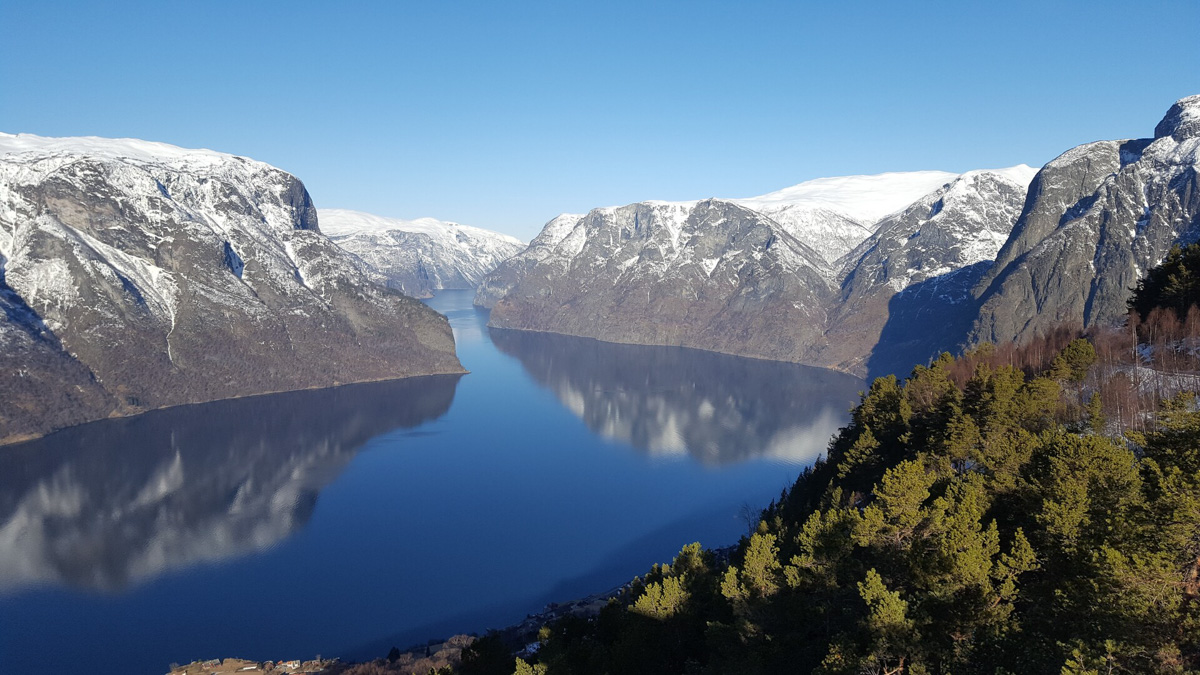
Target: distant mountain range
418	257
137	275
868	274
771	277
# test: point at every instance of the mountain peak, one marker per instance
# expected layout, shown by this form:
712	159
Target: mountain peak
345	222
863	198
1021	174
1182	120
419	256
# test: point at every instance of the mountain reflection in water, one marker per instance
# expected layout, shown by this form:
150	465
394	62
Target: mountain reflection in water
110	503
670	400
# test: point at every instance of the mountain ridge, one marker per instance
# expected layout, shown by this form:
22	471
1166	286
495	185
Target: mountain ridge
1126	203
136	275
1023	251
418	257
828	245
618	274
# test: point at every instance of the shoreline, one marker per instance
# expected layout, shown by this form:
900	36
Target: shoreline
12	440
419	659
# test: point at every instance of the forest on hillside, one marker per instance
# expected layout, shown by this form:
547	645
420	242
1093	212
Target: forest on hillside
1017	509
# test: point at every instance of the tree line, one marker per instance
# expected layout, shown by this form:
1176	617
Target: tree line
1017	509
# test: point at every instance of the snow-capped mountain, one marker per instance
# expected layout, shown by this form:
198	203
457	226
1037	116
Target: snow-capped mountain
419	256
918	269
828	256
963	222
500	281
138	275
986	255
833	215
709	274
1098	217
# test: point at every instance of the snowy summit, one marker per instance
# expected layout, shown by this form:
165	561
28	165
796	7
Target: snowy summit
419	256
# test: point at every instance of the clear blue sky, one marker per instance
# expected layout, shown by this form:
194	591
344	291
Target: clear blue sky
503	114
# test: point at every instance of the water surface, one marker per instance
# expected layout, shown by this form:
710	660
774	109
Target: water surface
344	521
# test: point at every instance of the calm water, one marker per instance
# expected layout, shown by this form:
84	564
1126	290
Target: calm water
341	522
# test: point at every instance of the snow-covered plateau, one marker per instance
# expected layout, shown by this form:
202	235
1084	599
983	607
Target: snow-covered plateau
138	275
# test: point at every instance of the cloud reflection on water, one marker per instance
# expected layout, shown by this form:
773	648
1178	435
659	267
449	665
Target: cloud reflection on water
104	505
671	401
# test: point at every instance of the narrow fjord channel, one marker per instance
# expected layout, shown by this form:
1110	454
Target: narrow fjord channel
347	520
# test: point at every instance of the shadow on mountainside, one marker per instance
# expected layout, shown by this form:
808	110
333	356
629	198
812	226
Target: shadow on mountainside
926	319
44	387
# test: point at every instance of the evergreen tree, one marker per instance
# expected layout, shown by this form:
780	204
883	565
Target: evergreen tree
971	519
1174	284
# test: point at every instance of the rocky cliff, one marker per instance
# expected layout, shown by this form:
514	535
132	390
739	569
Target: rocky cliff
418	257
712	275
917	270
806	274
1097	218
874	276
139	275
496	284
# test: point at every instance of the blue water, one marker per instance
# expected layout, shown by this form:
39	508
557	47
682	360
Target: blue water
345	521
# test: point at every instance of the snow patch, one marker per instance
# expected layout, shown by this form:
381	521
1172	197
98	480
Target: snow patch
340	222
120	149
862	198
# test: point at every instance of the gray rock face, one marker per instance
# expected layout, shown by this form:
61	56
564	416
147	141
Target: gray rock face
41	389
986	256
932	250
139	275
711	275
508	274
1182	121
719	275
1097	218
419	256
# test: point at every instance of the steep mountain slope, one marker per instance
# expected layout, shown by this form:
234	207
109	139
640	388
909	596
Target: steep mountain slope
40	388
987	255
833	215
139	275
500	281
918	269
709	274
609	274
419	256
1098	216
828	215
